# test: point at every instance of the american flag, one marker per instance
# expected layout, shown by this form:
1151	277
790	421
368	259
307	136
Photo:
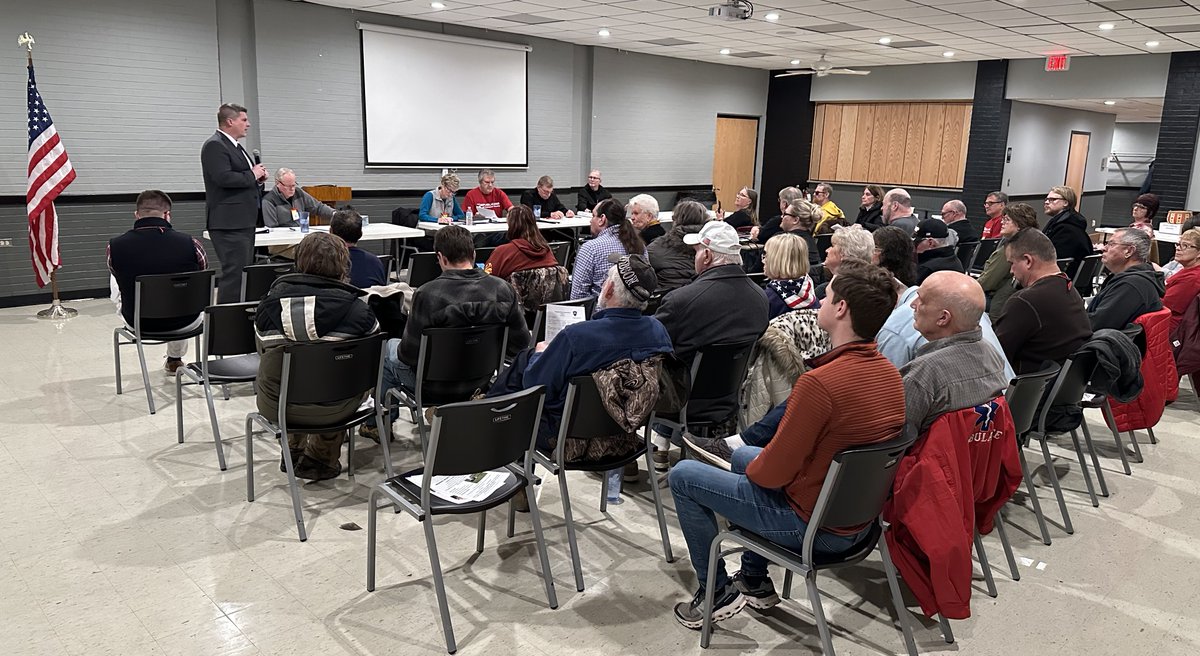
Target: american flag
49	173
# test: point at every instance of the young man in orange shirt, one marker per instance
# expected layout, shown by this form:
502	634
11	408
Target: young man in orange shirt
850	396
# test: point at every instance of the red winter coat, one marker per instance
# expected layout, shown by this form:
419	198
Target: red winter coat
932	513
1158	373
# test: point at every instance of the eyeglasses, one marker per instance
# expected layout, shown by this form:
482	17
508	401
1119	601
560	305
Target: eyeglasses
1139	206
989	203
791	215
1183	246
593	177
1051	199
1005	219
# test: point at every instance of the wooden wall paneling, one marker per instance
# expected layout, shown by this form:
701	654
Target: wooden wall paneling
950	165
814	159
962	153
830	142
893	170
914	137
880	134
931	144
864	140
847	142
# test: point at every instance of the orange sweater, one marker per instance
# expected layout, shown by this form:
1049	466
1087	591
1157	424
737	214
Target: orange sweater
853	396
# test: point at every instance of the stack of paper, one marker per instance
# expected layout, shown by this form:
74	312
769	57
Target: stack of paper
463	489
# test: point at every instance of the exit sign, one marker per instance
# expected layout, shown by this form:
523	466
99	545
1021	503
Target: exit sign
1056	63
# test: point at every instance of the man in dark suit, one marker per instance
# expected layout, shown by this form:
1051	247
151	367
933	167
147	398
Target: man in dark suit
232	193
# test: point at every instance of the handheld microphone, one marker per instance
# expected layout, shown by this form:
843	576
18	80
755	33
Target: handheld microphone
257	156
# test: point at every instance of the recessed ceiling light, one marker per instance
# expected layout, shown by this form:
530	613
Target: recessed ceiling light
1110	102
1152	44
603	32
772	17
948	53
795	62
437	5
725	51
1106	26
885	40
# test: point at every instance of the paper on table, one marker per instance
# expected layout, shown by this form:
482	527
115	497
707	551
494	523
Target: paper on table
463	489
561	316
485	212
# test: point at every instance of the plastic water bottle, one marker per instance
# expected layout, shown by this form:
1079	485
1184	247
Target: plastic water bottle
614	486
366	220
303	220
470	217
537	211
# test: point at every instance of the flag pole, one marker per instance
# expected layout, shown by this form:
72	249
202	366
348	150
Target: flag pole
56	310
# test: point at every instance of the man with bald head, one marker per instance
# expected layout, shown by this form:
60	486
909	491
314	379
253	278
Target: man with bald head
897	210
954	214
956	369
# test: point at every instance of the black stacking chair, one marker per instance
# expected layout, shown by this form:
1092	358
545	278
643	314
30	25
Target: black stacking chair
1024	394
488	435
320	372
258	278
562	251
966	254
422	267
585	418
1086	274
228	337
389	267
985	250
482	254
823	243
537	323
718	371
158	297
858	483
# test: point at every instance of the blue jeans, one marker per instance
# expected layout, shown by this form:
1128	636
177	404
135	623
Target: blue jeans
702	492
760	432
395	374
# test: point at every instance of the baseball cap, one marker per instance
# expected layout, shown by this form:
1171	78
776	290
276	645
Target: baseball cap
716	236
636	274
931	228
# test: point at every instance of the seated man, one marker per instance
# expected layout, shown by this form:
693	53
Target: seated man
852	396
438	205
366	269
643	212
592	193
954	214
487	198
1133	288
1045	320
936	249
956	368
330	310
544	202
462	296
151	247
287	197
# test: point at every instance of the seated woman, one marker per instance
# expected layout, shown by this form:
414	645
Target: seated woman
799	218
674	262
1142	213
438	205
1183	287
870	213
785	264
331	311
612	233
745	216
527	262
997	278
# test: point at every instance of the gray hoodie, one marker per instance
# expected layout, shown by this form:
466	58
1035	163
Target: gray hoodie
1125	296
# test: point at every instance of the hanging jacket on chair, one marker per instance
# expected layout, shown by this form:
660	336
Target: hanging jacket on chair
1158	373
1118	365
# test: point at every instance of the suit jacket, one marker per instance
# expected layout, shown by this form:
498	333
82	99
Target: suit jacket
231	193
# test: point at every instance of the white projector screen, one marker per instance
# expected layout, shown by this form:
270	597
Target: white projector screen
418	113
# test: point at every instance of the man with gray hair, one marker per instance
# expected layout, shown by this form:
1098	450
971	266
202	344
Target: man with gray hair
897	210
642	211
487	197
1133	288
994	207
592	193
935	247
279	204
954	215
848	244
544	202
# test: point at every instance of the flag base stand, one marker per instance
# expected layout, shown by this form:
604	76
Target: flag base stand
57	311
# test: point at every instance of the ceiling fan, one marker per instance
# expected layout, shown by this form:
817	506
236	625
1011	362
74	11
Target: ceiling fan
821	68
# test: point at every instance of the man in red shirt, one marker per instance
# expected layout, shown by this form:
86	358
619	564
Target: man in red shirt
850	396
994	207
487	196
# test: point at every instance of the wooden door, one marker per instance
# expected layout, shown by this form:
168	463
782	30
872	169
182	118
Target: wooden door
1077	157
734	155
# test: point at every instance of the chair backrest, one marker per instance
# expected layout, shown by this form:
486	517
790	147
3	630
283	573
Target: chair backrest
718	372
538	286
258	278
539	321
326	372
172	295
482	254
229	329
1069	385
823	243
561	250
1088	268
389	265
454	362
1025	393
1064	263
422	267
584	414
985	250
857	484
759	278
966	254
477	436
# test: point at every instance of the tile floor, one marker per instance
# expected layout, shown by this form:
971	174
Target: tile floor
114	539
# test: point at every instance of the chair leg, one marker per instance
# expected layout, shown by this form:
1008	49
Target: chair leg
787	584
512	520
1083	469
482	530
1111	422
1137	449
1033	497
814	597
710	581
293	487
212	418
385	436
658	510
439	586
1153	439
535	515
117	356
250	459
179	405
569	520
1087	439
1008	552
145	376
1062	503
981	552
350	453
947	633
889	568
372	525
604	492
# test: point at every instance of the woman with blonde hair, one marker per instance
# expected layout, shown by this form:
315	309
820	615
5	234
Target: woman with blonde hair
785	264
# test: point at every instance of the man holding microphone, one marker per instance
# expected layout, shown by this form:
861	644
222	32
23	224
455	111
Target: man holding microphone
233	184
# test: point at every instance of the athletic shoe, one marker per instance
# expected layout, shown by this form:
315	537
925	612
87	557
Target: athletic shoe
172	365
759	592
662	460
631	472
714	451
728	602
